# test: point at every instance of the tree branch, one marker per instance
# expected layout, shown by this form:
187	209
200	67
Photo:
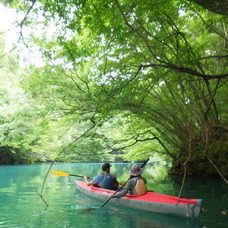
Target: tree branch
23	21
185	70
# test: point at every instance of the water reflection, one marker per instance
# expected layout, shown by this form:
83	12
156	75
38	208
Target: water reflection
128	217
22	207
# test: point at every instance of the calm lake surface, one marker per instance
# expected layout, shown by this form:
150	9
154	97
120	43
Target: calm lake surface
21	205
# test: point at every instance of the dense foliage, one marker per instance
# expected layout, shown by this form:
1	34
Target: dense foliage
140	78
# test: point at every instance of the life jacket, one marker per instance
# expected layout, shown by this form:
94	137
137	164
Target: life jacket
140	186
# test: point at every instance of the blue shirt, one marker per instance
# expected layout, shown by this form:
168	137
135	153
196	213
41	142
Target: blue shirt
105	180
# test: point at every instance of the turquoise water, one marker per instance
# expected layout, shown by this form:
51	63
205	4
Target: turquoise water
21	205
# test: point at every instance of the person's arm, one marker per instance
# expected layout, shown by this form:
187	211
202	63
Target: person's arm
96	180
89	183
130	186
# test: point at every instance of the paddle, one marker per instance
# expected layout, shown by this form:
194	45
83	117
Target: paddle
123	184
62	174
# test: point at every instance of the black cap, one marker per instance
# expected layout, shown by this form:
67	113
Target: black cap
105	166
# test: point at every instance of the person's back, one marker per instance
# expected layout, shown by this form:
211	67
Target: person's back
104	180
140	186
109	181
136	184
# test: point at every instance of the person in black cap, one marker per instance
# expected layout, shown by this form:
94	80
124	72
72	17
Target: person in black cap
105	179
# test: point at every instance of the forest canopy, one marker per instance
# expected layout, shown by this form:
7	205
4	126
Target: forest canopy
118	80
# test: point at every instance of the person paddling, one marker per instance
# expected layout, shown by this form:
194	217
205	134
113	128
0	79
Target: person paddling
135	185
104	180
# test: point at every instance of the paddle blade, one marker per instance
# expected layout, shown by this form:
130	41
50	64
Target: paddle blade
59	173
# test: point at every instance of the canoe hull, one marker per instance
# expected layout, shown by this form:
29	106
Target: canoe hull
190	208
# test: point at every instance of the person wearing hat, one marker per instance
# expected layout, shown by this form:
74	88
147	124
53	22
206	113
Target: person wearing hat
136	184
105	179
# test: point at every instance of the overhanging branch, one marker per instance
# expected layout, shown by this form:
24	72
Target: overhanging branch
185	70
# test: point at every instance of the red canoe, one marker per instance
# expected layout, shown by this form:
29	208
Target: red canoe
148	201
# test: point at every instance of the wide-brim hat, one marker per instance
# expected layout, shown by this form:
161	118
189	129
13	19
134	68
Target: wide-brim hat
135	170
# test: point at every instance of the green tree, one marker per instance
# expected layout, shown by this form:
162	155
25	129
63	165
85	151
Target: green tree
162	63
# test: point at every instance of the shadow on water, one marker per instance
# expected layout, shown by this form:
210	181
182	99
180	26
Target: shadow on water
111	216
